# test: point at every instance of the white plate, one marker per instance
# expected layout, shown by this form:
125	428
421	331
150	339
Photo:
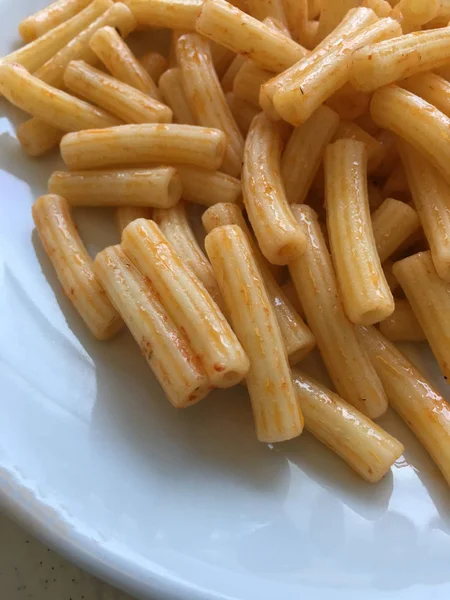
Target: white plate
181	505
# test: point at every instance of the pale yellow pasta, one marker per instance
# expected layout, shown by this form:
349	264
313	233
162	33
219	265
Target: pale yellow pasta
402	325
276	413
364	290
367	448
206	187
304	152
393	223
144	143
331	15
396	109
429	296
249	80
222	22
37	137
431	87
206	98
431	196
388	61
115	54
278	234
159	187
296	13
412	396
118	15
50	17
172	91
347	363
162	344
380	7
154	63
225	213
355	21
120	99
36	53
261	9
297	101
412	14
175	226
57	108
242	111
73	266
173	14
188	303
348	130
297	337
52	72
127	214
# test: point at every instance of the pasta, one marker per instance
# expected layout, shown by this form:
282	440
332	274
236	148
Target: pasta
393	223
166	350
368	449
50	17
278	234
418	403
429	296
173	93
349	367
117	57
175	226
431	196
38	52
276	412
125	102
206	98
137	144
59	109
73	266
396	109
364	290
297	337
188	303
313	137
221	22
304	152
159	187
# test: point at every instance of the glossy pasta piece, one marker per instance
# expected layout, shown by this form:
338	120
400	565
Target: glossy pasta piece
162	344
188	303
158	187
276	412
367	448
429	296
144	143
347	363
363	287
276	230
73	266
412	396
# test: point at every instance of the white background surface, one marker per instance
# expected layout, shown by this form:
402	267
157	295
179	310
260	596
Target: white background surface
29	570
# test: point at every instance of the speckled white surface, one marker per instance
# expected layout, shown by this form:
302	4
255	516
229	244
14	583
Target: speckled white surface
31	571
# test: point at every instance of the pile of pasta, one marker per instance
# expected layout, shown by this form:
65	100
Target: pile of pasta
316	135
